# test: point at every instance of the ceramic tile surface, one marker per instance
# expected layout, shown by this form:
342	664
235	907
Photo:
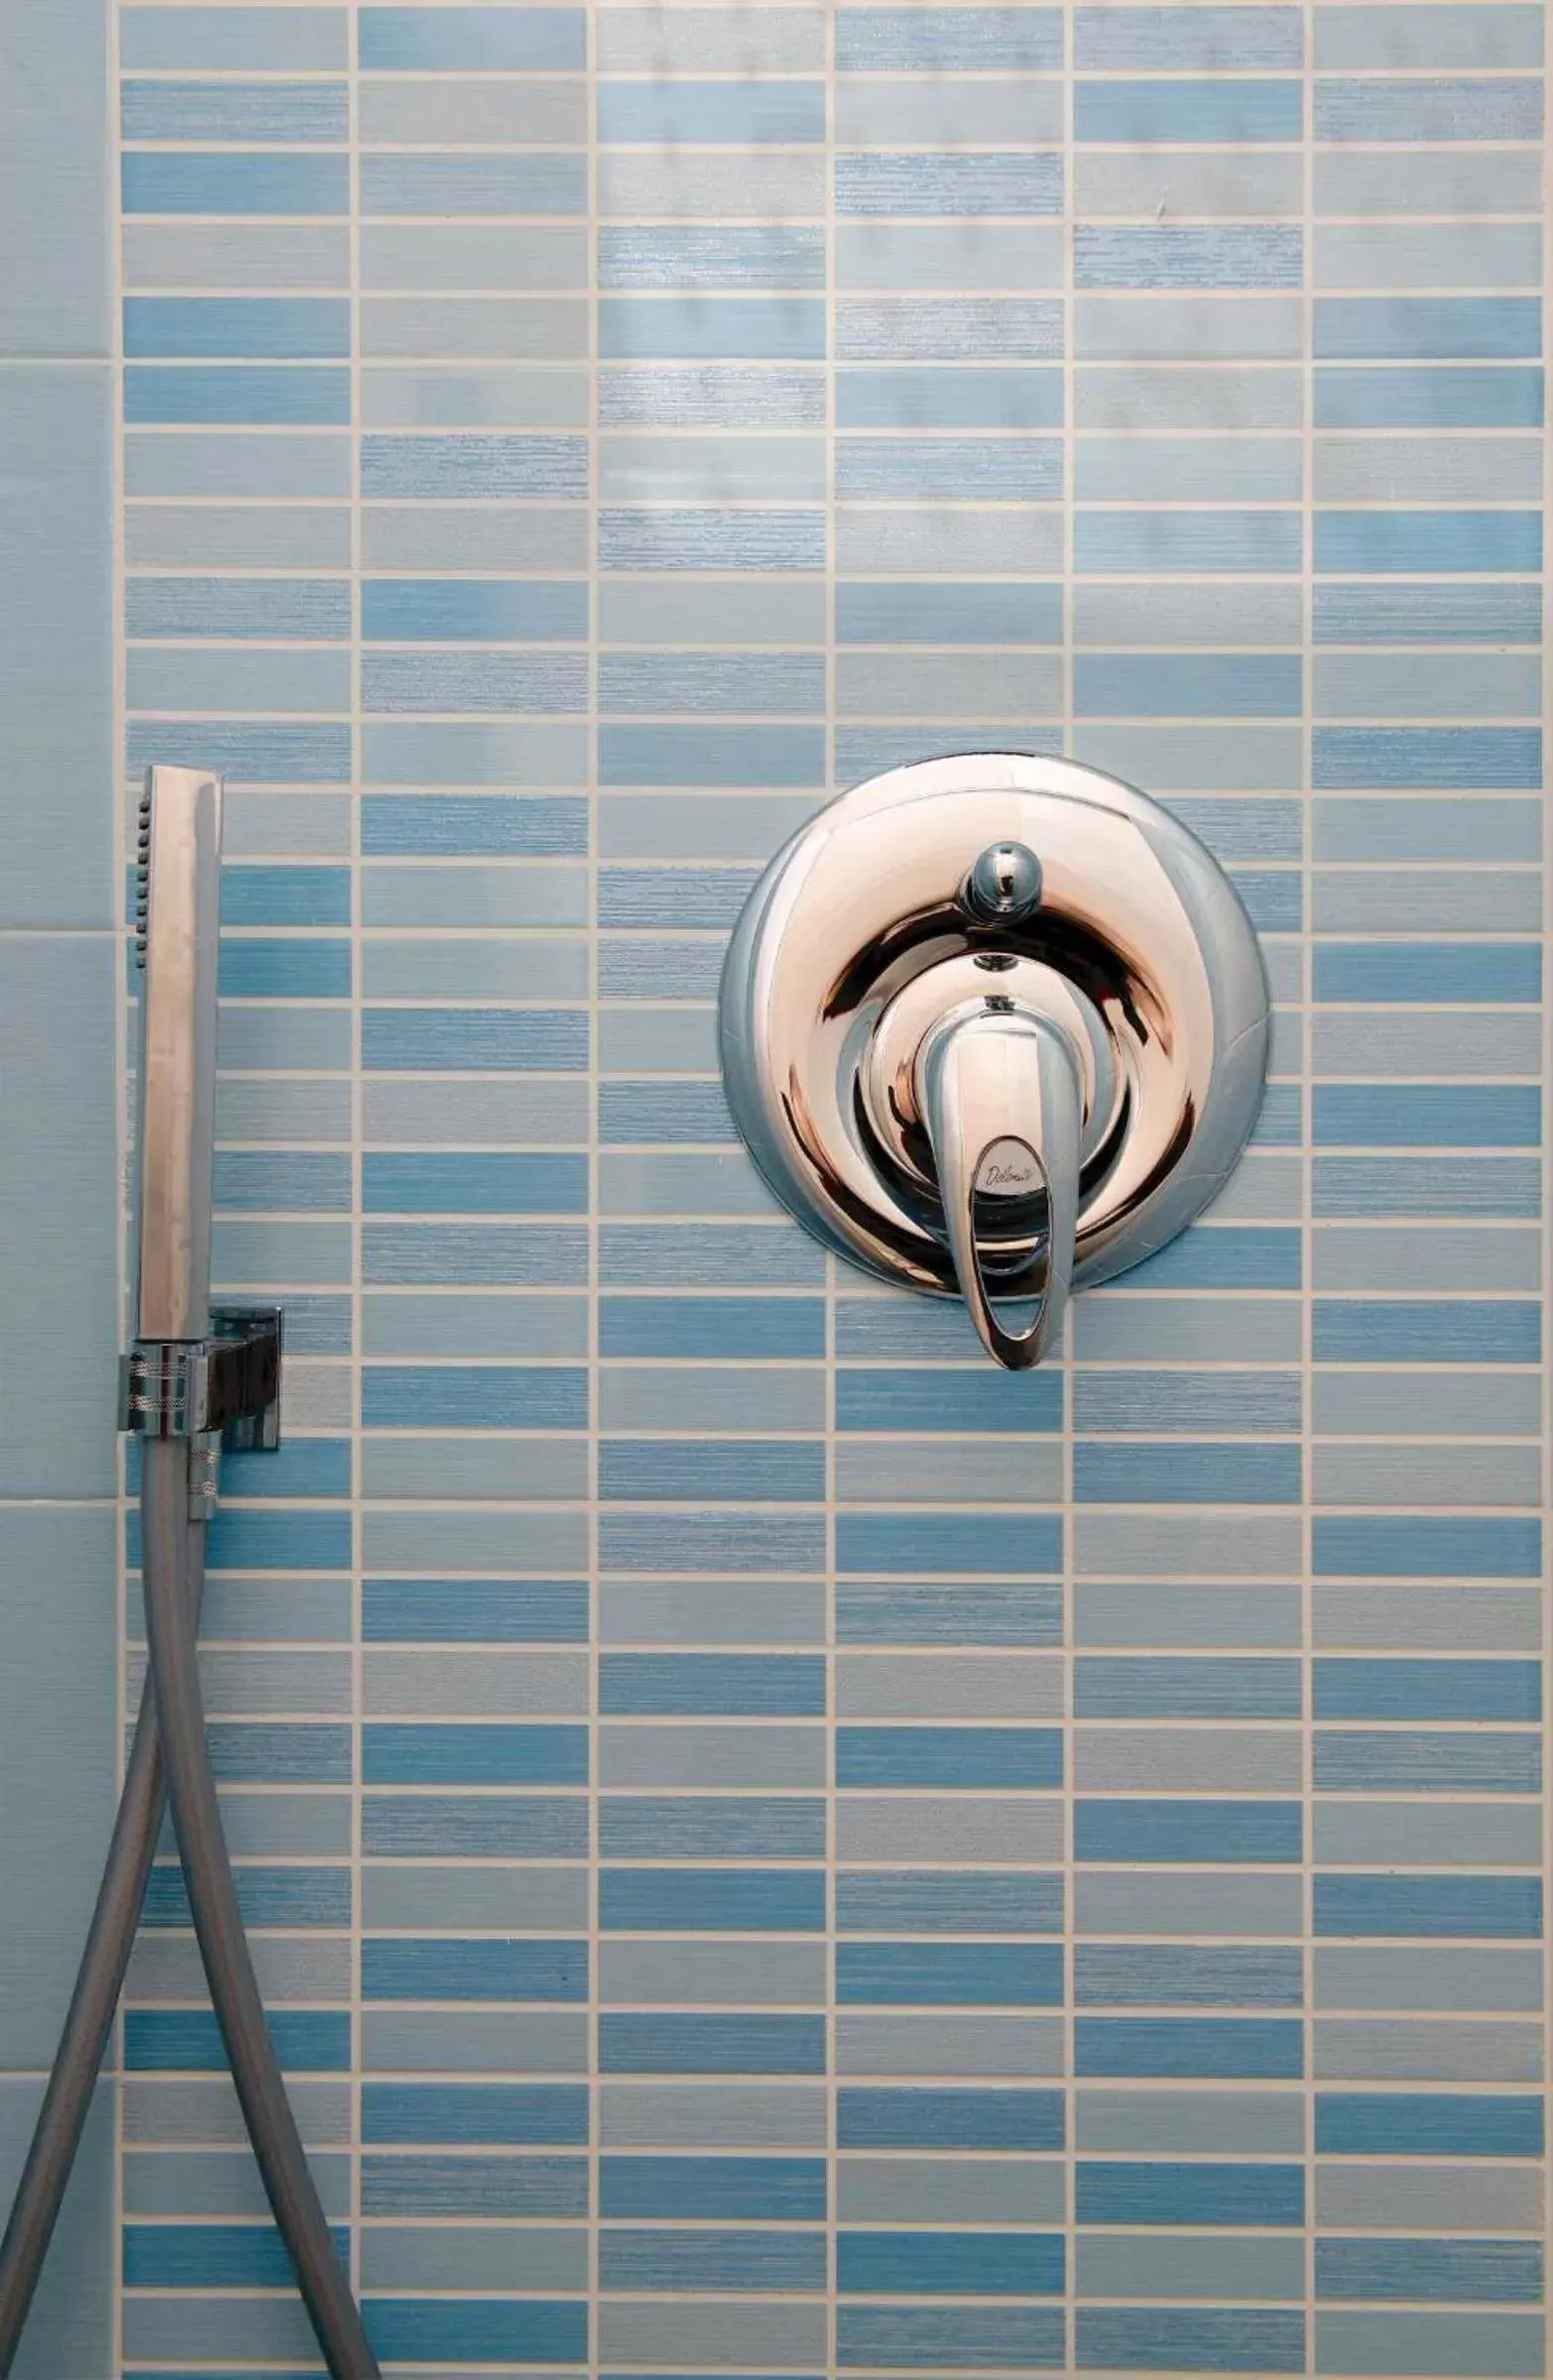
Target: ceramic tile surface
775	1849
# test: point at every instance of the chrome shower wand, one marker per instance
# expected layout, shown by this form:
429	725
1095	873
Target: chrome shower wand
195	1379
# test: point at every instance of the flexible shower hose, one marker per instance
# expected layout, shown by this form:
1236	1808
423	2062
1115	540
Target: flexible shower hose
170	1737
89	2020
218	1926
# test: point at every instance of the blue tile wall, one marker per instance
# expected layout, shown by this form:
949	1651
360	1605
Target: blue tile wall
774	1849
60	1035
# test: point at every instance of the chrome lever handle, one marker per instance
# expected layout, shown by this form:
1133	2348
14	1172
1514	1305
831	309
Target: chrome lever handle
1000	1095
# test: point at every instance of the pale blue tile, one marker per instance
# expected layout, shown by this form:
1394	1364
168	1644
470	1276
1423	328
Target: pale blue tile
1135	113
290	113
745	113
53	172
948	329
940	112
444	39
54	679
1223	40
234	182
947	41
1392	398
930	255
1181	540
237	396
1372	109
71	2323
1406	255
1222	2338
269	40
665	42
1418	181
210	463
1228	257
914	183
1410	39
1508	2346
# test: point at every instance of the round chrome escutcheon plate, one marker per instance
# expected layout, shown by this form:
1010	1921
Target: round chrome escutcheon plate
861	936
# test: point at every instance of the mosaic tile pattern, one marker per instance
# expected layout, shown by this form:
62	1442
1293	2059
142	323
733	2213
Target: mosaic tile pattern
774	1848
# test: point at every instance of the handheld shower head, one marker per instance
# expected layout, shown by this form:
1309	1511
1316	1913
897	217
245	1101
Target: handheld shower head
178	926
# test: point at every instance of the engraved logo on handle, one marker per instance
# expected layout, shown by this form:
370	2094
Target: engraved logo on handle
1009	1169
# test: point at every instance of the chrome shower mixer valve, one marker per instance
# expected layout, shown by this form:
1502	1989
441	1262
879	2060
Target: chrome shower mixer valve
994	1026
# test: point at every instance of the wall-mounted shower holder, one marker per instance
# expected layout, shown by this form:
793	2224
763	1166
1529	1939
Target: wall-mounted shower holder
994	1026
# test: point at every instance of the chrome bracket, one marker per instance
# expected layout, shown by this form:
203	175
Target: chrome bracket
223	1389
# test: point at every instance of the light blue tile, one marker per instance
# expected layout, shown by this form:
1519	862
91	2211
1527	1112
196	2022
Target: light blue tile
1222	40
1411	39
1407	256
234	182
1481	972
938	112
224	464
1207	685
661	255
1225	2268
692	328
270	40
290	113
71	2323
1168	541
1224	2338
237	396
472	255
710	755
932	256
58	1740
236	538
1428	1546
1427	541
1195	470
1485	397
1135	113
53	182
711	540
493	466
1509	2346
907	398
1415	1116
745	113
1158	257
784	41
948	329
1444	182
444	39
444	186
55	633
917	183
652	611
189	679
947	41
1012	470
1425	685
1203	2195
1357	328
57	1184
1372	109
474	752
